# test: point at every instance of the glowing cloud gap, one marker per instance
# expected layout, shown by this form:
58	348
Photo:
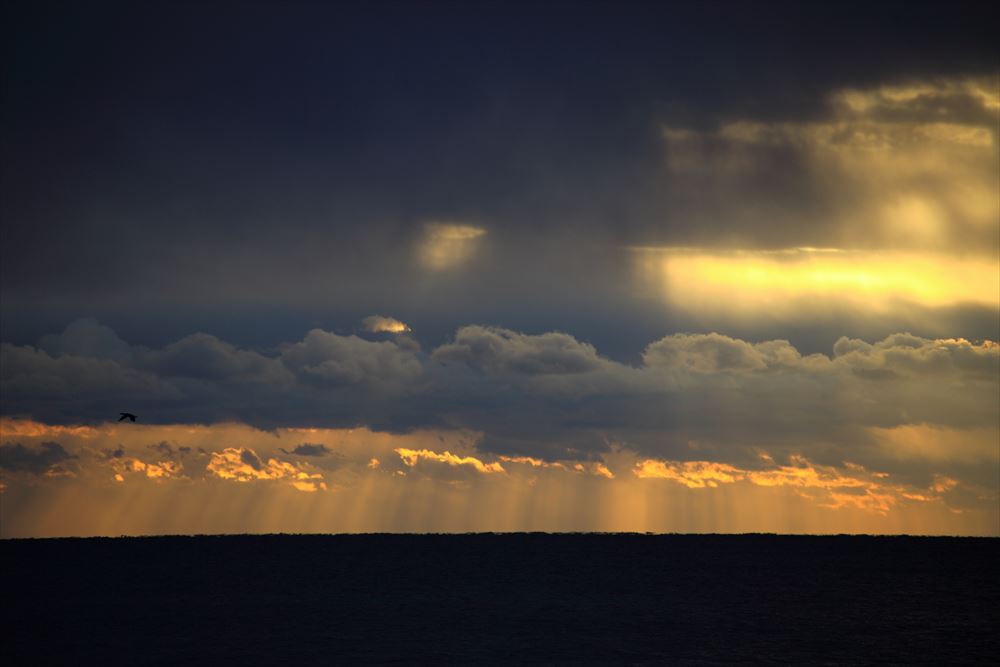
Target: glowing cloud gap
448	245
783	281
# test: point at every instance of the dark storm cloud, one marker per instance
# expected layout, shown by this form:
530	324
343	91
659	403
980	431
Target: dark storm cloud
547	395
262	170
35	460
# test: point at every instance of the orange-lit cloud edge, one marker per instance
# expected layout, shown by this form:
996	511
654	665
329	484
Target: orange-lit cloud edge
440	482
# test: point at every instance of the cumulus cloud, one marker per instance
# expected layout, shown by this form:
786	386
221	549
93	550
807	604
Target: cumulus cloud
915	356
497	350
328	359
36	460
709	353
204	357
87	338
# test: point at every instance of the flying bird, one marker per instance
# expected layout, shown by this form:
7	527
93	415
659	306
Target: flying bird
127	415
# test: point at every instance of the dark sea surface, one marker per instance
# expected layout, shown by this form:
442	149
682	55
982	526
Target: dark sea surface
569	599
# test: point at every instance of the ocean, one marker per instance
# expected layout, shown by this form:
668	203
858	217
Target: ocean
501	599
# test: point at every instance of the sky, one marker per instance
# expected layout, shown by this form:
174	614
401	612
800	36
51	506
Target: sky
691	267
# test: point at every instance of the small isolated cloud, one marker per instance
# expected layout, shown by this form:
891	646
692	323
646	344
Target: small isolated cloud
310	449
35	460
382	324
87	338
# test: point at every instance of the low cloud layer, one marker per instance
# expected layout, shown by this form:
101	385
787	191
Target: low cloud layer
232	478
547	396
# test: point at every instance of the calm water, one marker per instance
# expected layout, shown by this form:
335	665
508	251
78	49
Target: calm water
501	599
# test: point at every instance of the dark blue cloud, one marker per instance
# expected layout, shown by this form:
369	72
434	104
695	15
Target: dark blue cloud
36	460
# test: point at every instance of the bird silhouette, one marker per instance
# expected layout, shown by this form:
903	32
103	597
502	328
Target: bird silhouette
127	415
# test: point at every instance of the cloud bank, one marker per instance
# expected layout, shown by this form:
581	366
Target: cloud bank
547	396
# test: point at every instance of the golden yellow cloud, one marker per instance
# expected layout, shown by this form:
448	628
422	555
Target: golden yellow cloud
829	487
382	324
531	461
602	470
243	465
412	456
14	428
158	470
